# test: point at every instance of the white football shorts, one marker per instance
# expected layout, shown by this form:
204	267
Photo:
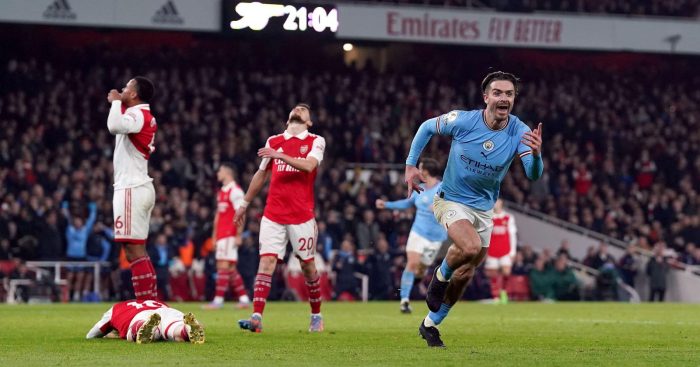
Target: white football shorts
132	213
274	238
226	249
448	212
427	249
495	263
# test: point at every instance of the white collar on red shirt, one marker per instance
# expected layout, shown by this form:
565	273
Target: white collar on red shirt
302	135
142	106
229	186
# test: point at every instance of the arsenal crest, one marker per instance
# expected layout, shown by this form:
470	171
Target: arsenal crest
304	149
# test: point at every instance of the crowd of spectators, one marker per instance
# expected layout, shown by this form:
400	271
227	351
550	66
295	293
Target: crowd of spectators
621	151
669	8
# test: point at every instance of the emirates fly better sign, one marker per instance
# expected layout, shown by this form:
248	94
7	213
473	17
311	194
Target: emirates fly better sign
470	27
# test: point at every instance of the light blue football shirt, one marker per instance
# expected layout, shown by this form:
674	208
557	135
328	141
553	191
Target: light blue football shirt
479	156
425	223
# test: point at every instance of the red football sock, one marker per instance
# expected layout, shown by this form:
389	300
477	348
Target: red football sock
143	278
237	283
504	285
314	287
154	289
222	279
263	282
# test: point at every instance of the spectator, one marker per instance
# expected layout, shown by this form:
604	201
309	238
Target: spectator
345	265
78	278
564	249
628	266
564	281
541	282
519	265
160	254
22	272
657	270
602	257
606	282
325	241
367	230
379	268
49	237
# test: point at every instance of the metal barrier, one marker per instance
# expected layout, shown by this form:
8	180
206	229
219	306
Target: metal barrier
57	265
364	280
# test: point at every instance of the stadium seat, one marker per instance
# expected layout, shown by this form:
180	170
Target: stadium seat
518	288
7	267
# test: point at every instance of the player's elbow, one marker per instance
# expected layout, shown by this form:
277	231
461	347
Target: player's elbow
113	129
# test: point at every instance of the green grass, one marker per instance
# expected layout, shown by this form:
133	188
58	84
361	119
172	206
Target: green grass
561	334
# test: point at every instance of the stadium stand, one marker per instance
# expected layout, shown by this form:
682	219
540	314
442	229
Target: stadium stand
621	151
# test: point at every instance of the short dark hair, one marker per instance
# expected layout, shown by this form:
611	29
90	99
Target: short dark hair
306	105
500	75
431	165
144	89
227	164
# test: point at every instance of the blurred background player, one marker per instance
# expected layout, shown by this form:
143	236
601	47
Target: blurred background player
484	144
426	236
502	249
227	236
147	321
130	119
291	160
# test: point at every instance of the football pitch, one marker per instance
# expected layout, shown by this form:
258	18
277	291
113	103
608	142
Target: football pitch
517	334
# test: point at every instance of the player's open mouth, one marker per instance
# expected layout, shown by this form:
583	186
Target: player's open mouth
503	108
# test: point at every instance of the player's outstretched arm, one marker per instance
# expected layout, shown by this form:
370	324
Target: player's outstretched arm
256	184
102	327
399	204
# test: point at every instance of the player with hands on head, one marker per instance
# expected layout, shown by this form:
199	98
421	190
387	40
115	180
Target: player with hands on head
290	160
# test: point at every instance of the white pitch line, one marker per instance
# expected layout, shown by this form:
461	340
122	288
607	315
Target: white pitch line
604	321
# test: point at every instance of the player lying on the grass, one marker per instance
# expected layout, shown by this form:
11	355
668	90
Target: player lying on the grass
147	321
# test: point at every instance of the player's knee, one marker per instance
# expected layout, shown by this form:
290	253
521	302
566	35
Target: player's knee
134	252
267	264
309	268
412	266
468	252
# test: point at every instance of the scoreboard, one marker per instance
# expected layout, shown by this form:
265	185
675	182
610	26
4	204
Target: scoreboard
278	17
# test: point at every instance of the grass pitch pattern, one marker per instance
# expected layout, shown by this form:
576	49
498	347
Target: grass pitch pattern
522	334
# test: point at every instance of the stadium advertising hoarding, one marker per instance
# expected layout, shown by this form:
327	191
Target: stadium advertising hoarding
278	17
200	15
517	30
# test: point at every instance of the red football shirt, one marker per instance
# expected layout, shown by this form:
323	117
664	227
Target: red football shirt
124	312
228	199
290	199
503	236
